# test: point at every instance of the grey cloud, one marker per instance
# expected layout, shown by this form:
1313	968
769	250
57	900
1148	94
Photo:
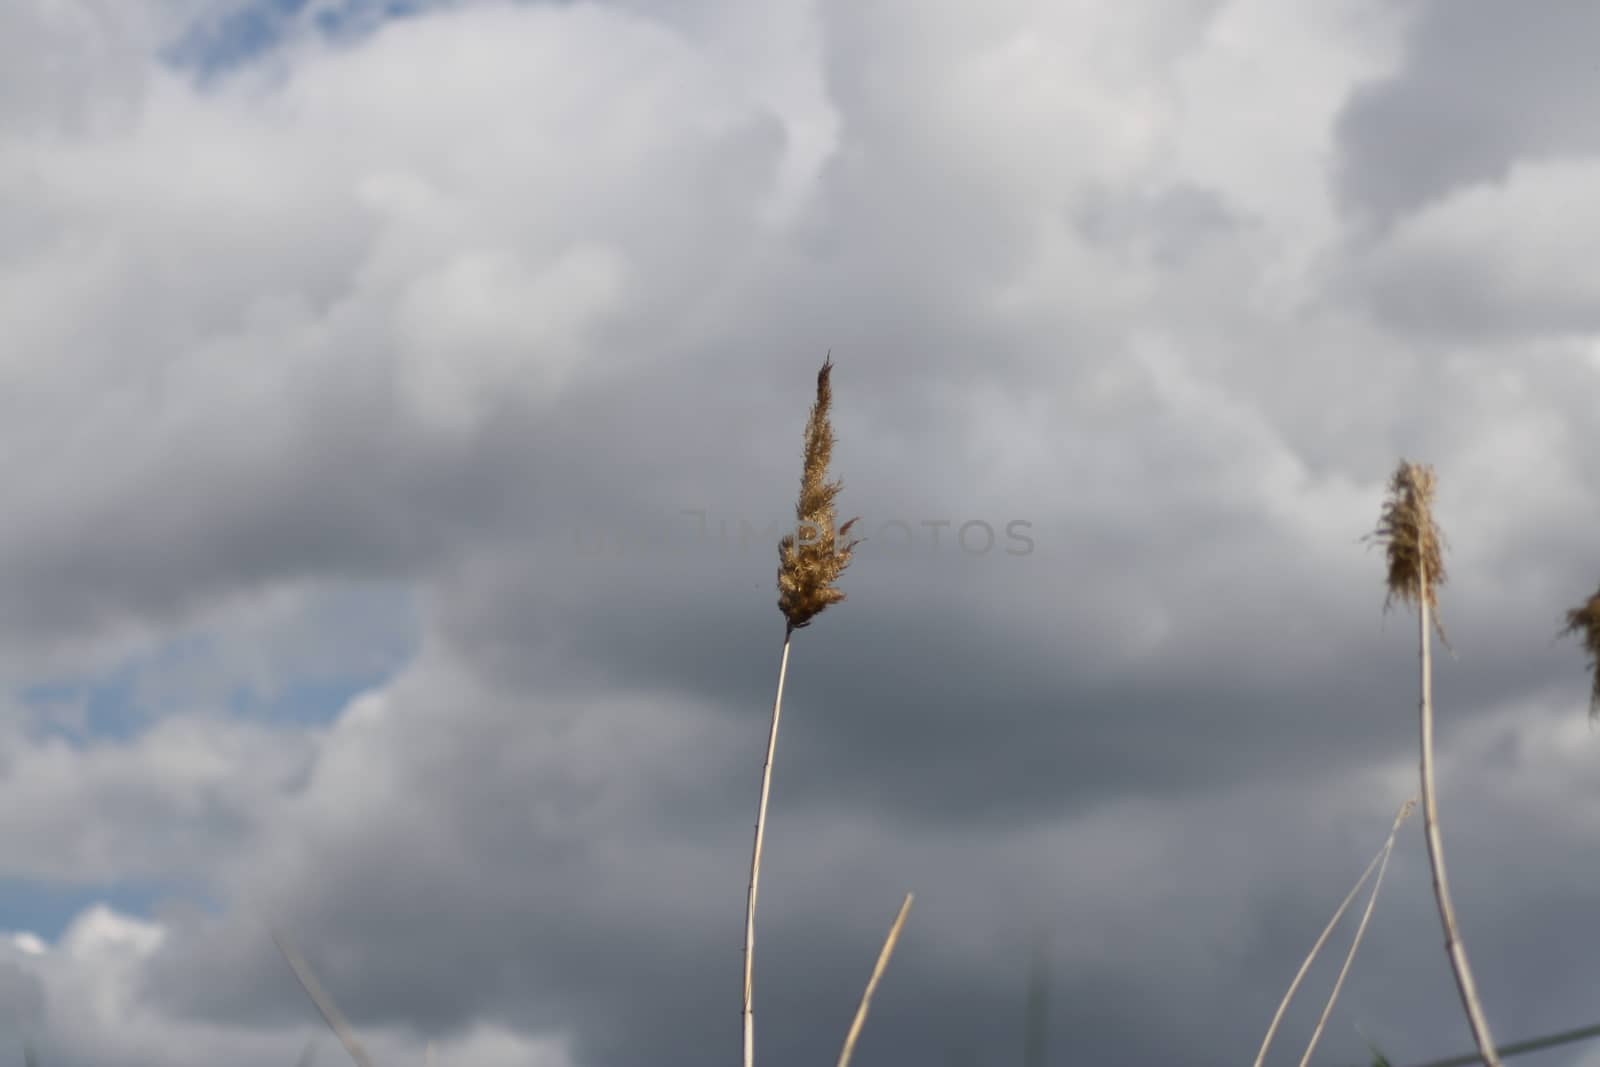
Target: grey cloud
168	804
1481	85
1175	222
1501	264
1172	734
295	438
645	929
22	998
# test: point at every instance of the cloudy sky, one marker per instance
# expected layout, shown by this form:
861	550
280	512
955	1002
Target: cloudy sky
398	402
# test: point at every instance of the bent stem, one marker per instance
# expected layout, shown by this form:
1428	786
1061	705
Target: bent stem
1327	931
872	984
330	1012
1430	824
1361	930
755	858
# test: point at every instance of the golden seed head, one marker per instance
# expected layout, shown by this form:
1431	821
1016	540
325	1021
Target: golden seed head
1585	621
810	563
1415	543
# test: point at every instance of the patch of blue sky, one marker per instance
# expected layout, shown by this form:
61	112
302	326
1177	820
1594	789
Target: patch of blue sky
235	37
349	642
309	702
75	710
47	909
217	44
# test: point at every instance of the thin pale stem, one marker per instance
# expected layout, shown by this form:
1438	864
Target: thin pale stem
755	859
330	1012
872	984
1430	824
1361	930
1327	931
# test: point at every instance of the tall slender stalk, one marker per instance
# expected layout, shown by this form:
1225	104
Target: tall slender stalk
1416	570
1430	825
810	560
755	860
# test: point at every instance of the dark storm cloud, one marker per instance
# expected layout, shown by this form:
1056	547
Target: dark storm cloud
1481	86
1154	909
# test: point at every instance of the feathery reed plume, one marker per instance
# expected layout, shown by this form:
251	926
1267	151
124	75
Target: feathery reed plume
808	567
872	984
1414	541
330	1012
811	559
1585	620
1327	931
1416	570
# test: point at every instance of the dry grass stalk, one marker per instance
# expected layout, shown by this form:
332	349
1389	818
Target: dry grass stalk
1361	930
872	984
330	1013
1585	620
811	559
1416	570
1327	931
808	567
749	1015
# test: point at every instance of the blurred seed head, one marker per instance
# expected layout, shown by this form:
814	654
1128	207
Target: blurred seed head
1585	621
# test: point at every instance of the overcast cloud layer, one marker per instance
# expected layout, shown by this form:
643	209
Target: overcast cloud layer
397	414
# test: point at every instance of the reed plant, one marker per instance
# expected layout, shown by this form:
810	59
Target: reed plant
1415	551
810	561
